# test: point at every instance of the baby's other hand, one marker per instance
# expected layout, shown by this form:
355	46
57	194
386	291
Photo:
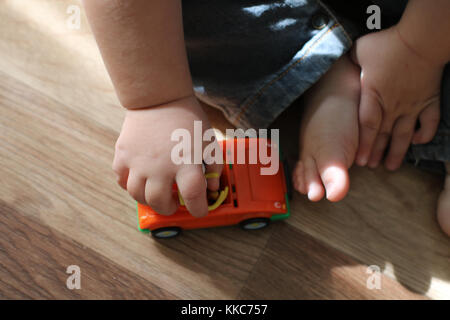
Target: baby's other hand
398	88
143	162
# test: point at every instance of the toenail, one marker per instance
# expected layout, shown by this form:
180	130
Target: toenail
313	192
362	161
329	187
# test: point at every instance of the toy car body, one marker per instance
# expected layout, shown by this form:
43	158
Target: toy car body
253	199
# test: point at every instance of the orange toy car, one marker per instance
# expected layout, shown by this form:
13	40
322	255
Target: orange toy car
246	197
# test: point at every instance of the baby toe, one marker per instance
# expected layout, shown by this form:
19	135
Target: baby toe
314	185
332	167
298	178
336	181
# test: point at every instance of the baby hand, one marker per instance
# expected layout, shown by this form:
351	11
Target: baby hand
143	161
398	87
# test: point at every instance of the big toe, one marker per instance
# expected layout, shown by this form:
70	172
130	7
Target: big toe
333	169
336	181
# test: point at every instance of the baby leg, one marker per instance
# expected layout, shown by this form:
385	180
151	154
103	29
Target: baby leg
329	133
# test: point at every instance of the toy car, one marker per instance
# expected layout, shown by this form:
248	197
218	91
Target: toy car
246	197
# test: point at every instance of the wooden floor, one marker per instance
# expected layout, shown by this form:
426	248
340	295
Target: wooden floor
60	205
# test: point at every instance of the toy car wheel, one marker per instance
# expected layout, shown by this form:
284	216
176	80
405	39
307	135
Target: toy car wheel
255	223
165	233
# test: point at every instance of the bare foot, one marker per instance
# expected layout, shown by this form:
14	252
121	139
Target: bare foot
443	211
329	133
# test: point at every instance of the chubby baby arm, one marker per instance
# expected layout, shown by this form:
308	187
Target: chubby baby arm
142	45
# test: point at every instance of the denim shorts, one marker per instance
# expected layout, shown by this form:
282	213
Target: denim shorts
253	59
